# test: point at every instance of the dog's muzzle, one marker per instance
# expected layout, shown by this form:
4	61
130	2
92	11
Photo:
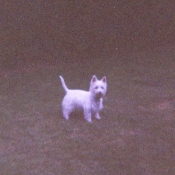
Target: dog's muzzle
99	95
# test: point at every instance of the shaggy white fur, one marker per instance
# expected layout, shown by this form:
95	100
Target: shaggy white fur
90	101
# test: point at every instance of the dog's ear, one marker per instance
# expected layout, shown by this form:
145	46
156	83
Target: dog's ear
104	79
94	79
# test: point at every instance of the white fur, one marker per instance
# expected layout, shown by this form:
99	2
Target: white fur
90	101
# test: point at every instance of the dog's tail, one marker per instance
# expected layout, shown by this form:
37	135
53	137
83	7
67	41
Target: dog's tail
63	84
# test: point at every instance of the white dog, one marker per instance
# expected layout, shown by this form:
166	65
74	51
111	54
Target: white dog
90	101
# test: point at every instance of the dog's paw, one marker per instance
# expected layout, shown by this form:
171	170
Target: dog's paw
97	116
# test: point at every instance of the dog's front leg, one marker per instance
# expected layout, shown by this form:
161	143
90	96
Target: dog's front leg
97	116
87	116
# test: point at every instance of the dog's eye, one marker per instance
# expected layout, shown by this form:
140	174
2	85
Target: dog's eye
96	87
102	87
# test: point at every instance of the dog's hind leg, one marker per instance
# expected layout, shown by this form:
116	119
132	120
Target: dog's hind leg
66	114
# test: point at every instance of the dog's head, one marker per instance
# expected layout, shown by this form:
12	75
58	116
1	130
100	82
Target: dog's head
98	87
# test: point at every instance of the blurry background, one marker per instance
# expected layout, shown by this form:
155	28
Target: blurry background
37	30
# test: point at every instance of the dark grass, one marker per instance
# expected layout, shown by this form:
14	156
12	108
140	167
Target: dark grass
134	137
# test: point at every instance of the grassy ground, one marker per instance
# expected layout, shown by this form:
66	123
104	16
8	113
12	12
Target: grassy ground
134	137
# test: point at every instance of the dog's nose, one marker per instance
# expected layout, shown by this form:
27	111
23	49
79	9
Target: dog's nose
99	93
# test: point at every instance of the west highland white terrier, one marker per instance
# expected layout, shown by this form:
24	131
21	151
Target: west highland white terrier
91	102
